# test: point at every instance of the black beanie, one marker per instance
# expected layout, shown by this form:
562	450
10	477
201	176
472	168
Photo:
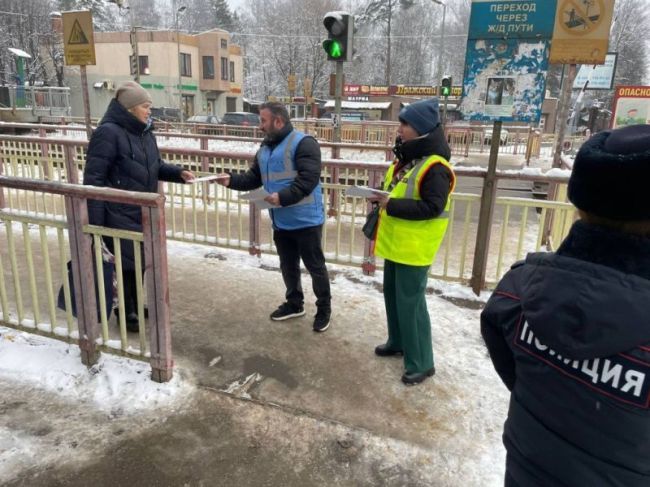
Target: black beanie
423	115
611	174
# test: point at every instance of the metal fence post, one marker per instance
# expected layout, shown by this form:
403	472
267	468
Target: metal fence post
155	255
334	193
254	232
369	265
83	278
71	173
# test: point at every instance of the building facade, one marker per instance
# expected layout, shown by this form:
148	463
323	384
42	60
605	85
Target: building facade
199	73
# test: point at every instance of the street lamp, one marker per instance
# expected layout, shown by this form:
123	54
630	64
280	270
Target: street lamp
442	40
179	11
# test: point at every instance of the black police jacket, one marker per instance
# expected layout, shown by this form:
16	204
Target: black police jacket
569	335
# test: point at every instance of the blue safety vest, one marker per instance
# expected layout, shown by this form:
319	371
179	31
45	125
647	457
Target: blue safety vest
278	170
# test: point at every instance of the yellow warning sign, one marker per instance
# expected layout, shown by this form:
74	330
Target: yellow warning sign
78	38
581	32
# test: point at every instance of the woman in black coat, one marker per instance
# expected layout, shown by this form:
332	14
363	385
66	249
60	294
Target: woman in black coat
123	154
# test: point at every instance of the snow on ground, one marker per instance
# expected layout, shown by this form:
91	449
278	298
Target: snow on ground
115	384
122	385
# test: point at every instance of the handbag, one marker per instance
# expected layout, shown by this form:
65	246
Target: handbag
369	228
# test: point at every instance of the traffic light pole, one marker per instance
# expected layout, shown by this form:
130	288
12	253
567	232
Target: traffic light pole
337	100
444	112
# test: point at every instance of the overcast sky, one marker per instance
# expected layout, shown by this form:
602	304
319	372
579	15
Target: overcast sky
235	4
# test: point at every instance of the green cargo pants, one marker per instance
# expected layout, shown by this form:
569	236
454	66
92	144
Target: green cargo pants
409	326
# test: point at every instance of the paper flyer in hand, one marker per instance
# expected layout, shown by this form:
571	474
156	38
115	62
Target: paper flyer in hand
364	192
212	177
257	196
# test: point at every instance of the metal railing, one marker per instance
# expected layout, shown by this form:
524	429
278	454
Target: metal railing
464	140
38	267
215	215
35	200
42	100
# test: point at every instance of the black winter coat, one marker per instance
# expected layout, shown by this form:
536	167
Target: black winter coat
569	334
435	186
123	154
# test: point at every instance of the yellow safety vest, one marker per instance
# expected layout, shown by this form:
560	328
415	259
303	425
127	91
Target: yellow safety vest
412	242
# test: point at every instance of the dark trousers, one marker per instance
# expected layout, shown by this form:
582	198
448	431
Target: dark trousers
128	272
305	244
130	292
409	326
510	481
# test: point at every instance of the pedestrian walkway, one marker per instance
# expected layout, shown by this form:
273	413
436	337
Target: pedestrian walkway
276	403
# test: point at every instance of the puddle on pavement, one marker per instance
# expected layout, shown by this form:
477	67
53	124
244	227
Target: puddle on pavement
268	367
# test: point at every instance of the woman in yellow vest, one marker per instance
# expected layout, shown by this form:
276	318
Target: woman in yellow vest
412	223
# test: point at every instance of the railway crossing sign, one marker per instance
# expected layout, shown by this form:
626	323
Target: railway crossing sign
581	31
78	38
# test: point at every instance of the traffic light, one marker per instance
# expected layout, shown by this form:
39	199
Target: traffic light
445	86
340	27
134	65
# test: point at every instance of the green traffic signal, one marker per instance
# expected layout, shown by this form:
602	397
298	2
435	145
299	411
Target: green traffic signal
340	31
445	86
333	48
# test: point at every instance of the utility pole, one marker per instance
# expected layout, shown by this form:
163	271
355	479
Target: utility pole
442	41
563	112
179	11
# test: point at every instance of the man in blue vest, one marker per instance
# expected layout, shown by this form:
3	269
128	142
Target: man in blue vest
288	166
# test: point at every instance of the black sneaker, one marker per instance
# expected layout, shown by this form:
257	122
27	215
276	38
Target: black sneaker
322	320
286	311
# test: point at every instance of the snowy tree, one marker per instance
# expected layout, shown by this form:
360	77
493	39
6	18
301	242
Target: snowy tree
383	11
224	18
103	13
203	15
26	26
142	13
415	42
628	38
283	37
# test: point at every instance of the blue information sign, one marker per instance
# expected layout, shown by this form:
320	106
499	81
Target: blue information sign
506	19
504	80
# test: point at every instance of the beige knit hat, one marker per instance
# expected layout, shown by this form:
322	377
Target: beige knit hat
130	94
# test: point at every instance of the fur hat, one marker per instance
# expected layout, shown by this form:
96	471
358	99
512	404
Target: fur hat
130	94
423	115
611	174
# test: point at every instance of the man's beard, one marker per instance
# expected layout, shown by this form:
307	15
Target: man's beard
271	134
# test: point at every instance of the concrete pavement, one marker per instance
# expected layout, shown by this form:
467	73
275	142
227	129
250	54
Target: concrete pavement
275	403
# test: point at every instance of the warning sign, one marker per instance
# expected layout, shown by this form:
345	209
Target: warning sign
581	31
78	39
77	35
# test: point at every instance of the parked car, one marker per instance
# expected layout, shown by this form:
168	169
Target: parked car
203	123
503	138
166	114
241	118
203	119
